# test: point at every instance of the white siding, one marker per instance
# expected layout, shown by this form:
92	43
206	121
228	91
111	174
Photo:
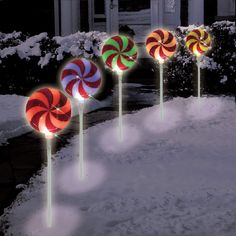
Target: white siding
70	16
196	12
171	16
226	7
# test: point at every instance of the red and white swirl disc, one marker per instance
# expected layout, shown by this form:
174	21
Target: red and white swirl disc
48	110
81	78
161	44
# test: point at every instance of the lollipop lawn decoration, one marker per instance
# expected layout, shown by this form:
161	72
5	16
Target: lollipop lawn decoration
81	79
119	53
161	45
48	111
198	42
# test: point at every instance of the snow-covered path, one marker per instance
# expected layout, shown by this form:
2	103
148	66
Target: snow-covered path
170	177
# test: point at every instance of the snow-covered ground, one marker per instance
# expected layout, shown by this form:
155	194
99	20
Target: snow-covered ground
12	116
170	177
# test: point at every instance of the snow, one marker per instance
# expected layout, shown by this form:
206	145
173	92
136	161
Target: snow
77	44
225	25
80	44
12	122
224	79
170	177
207	62
5	37
27	49
12	118
45	60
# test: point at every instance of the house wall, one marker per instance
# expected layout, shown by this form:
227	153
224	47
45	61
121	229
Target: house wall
226	7
70	16
196	12
163	13
171	16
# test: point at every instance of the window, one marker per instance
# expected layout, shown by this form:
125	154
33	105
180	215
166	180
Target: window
136	5
99	17
99	7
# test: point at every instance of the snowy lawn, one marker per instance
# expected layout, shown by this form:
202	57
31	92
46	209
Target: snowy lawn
171	177
12	116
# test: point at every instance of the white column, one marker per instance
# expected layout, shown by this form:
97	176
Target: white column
196	12
160	12
90	13
112	16
157	15
70	16
56	18
66	17
154	14
75	5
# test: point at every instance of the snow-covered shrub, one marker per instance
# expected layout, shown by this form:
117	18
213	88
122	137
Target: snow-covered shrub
26	62
218	65
180	68
46	49
223	54
11	40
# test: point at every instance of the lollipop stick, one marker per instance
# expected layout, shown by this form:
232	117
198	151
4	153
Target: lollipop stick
49	183
120	107
199	78
161	91
81	139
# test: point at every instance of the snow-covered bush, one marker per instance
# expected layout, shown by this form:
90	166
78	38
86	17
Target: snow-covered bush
26	62
218	65
46	49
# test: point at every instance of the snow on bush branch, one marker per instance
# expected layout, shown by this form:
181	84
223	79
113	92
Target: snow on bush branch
78	44
219	62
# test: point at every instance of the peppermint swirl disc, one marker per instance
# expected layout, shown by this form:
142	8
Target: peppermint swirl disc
198	41
119	53
81	78
161	45
48	110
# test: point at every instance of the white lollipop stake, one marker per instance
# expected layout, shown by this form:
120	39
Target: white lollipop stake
119	53
120	75
49	137
161	45
81	79
81	139
48	111
161	62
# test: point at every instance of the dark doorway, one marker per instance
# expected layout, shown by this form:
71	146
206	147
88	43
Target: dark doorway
210	11
184	12
84	24
28	16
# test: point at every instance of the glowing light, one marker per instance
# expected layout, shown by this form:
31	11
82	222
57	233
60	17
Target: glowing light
117	70
160	60
108	140
46	132
156	125
79	97
95	176
198	54
205	108
35	224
